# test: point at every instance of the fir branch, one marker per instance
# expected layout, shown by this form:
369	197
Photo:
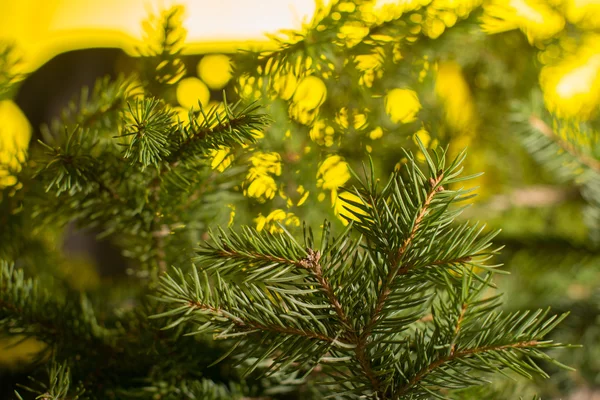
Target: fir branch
291	50
93	110
161	57
27	310
9	65
253	256
312	263
396	268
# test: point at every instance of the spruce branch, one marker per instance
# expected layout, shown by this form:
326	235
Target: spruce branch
396	313
27	310
150	129
93	110
458	355
214	128
566	148
489	345
396	266
252	326
59	385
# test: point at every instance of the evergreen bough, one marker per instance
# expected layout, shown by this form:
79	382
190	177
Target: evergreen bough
398	306
403	310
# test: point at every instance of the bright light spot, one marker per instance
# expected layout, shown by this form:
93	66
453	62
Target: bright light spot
333	173
308	97
190	91
526	11
215	70
402	105
15	133
43	29
578	81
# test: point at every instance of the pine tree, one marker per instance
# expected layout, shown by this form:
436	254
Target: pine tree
398	304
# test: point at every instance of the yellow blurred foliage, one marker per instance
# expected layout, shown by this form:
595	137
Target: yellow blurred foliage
585	13
15	133
342	208
333	173
310	93
18	350
270	222
284	84
455	94
537	19
425	138
221	158
376	133
321	133
402	105
259	182
572	85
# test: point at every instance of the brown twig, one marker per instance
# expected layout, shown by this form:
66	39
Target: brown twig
264	257
252	325
459	321
312	263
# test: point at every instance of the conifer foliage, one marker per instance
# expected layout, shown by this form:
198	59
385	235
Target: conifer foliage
400	305
400	311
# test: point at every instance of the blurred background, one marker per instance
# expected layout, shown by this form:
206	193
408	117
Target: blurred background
516	82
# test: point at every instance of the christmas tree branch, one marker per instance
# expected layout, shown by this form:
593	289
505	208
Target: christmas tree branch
216	129
396	266
347	295
253	326
440	362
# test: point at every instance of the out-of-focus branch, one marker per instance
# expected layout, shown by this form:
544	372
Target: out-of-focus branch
543	128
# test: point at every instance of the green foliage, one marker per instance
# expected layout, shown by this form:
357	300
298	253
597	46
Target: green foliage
58	387
567	149
399	312
9	75
400	304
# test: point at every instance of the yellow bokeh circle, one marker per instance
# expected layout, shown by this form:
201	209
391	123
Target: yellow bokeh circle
402	105
310	93
215	70
192	90
15	133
